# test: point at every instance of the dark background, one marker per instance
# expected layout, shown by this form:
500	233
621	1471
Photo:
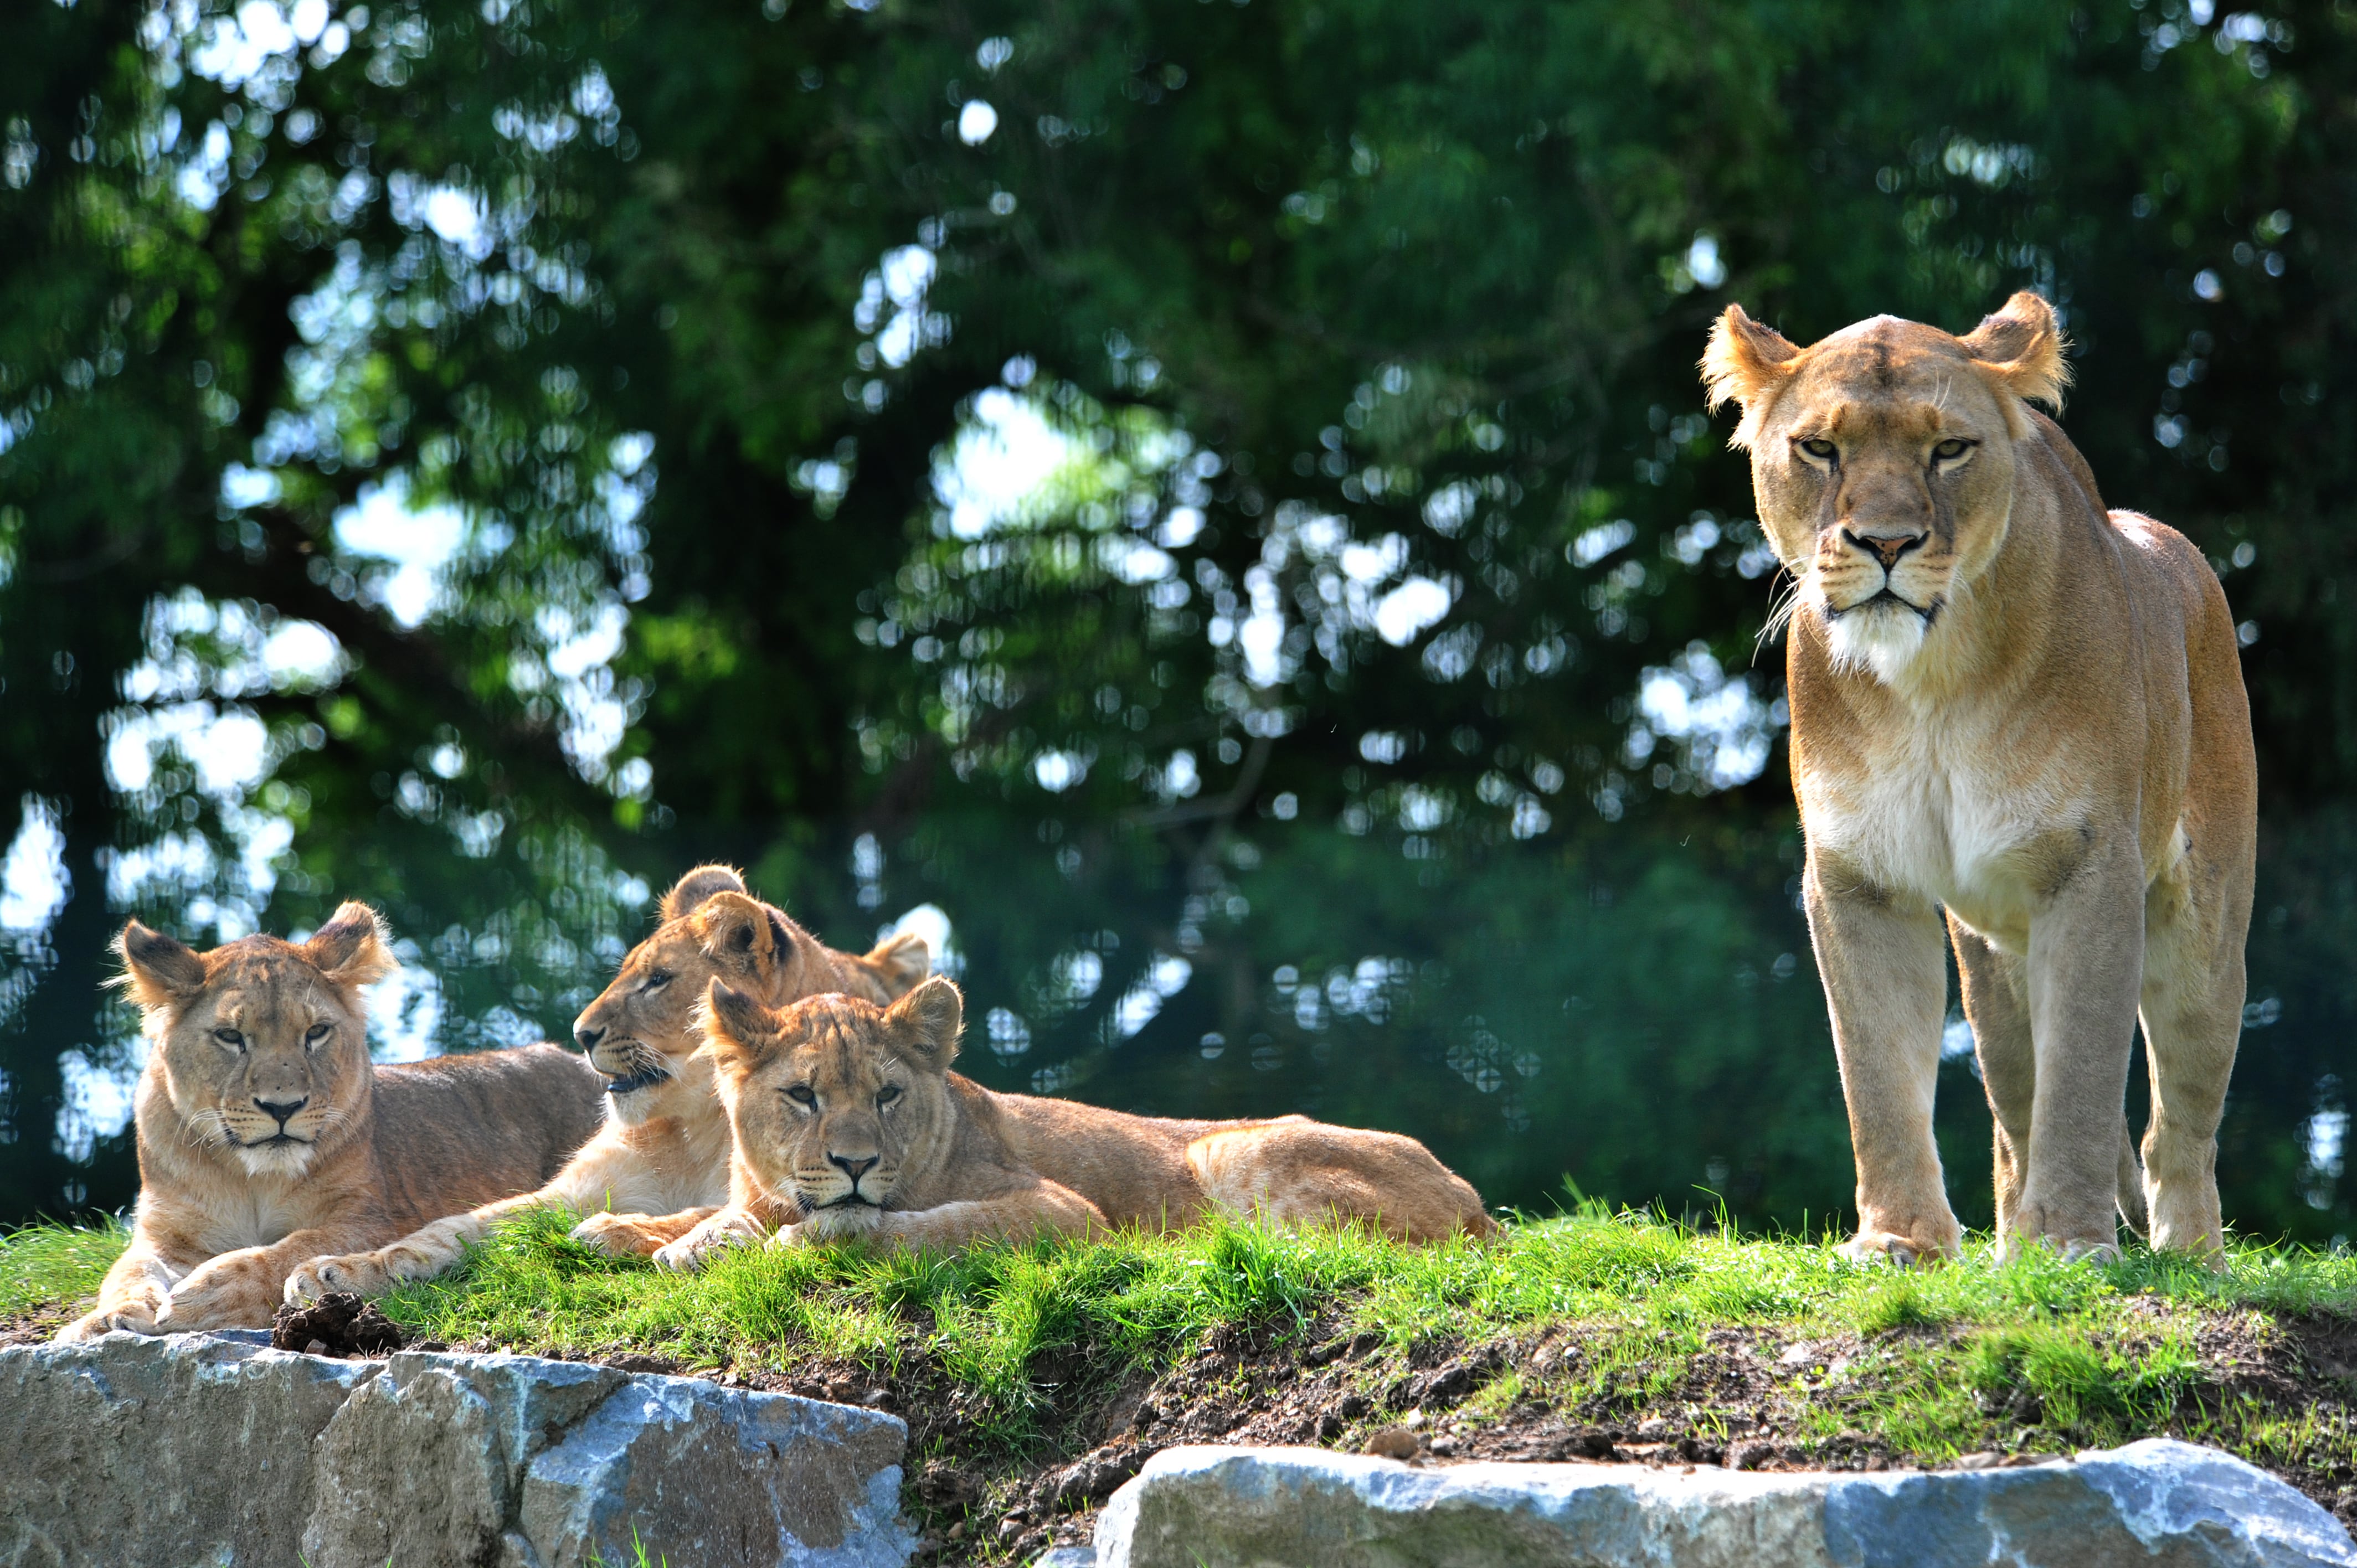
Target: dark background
676	317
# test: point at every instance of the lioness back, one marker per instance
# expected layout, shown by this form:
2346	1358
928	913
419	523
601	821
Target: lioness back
459	1131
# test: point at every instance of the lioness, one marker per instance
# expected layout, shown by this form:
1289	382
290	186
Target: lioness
661	1162
266	1137
848	1122
2014	706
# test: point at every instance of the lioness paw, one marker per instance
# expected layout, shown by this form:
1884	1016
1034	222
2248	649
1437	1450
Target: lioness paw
233	1291
1881	1247
695	1249
362	1274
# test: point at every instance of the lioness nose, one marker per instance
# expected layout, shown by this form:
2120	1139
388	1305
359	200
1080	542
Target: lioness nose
588	1038
282	1109
1886	548
852	1168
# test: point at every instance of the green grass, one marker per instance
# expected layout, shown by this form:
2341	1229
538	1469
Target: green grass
1935	1362
44	1265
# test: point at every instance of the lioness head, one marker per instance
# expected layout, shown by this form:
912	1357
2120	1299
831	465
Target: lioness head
643	1029
263	1045
1882	461
834	1101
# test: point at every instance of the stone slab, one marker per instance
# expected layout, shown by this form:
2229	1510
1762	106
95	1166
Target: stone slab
197	1449
2155	1504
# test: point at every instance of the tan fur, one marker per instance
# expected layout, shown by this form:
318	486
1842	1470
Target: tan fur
848	1122
2015	709
661	1162
231	1199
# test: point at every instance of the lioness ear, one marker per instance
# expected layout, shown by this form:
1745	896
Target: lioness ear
928	1019
157	971
737	1027
2020	348
697	886
1745	363
350	947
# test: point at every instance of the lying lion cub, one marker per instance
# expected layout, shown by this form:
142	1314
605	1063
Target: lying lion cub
848	1123
265	1136
2015	709
661	1163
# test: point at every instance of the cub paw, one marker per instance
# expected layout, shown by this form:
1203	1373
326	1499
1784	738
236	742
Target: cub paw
617	1235
361	1274
699	1246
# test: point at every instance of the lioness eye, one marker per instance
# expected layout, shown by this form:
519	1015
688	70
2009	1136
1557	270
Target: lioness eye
800	1095
658	980
316	1033
887	1094
1949	450
230	1038
1819	447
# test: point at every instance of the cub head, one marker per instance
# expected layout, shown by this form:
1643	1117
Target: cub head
1882	461
642	1027
262	1043
839	1103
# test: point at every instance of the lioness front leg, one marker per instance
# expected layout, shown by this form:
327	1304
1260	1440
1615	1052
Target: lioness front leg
420	1255
1046	1209
2086	962
135	1294
637	1235
243	1289
1879	953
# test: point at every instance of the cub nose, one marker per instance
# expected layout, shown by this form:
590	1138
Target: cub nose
282	1109
852	1168
1886	548
588	1038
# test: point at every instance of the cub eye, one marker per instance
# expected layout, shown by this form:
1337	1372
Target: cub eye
800	1095
658	980
1820	448
1948	451
230	1038
316	1033
888	1093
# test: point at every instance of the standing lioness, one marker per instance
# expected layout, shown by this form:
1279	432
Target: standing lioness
2012	705
265	1135
849	1122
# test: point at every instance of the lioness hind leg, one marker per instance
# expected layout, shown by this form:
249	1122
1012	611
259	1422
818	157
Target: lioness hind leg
2192	1013
1995	1004
1298	1172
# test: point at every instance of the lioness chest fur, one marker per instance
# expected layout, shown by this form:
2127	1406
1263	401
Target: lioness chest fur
848	1122
2014	709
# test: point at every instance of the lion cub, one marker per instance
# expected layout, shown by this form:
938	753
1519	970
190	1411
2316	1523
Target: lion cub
265	1135
849	1122
659	1164
2024	713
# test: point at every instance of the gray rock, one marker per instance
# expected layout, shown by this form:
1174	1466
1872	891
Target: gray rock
195	1449
2156	1504
162	1452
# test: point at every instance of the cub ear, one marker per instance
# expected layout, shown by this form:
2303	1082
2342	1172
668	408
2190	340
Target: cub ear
1745	363
737	1027
157	971
742	933
697	886
900	964
928	1019
2021	349
350	948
